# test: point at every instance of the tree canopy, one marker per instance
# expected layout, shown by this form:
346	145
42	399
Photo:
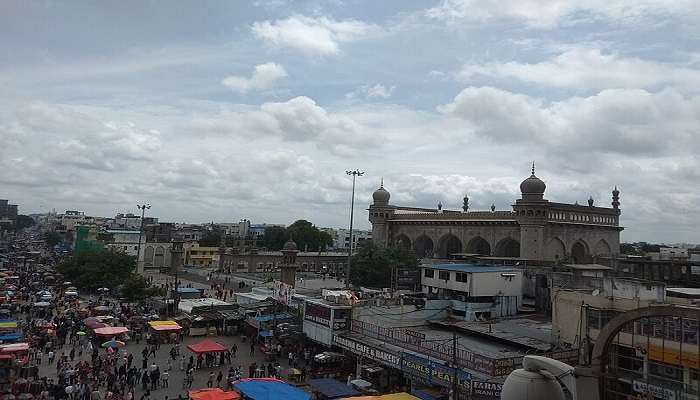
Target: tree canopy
275	237
639	248
307	236
136	289
94	269
372	264
25	221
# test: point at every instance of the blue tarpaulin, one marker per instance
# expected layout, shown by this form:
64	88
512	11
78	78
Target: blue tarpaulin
332	389
10	337
269	389
265	334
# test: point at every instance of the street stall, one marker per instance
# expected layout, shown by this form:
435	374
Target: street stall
206	323
207	349
111	331
268	389
10	337
164	331
330	365
328	389
213	394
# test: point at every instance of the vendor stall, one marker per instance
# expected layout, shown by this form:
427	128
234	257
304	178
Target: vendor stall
327	389
213	394
206	346
111	330
268	389
164	330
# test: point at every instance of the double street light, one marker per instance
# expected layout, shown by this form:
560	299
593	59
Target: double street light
354	175
143	208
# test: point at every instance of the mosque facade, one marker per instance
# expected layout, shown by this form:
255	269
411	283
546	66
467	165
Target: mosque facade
536	229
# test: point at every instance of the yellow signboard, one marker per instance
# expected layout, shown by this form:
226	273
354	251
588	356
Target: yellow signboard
673	356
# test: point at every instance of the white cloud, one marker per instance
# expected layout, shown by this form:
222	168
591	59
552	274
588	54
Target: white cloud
619	121
315	36
590	69
550	13
371	92
263	77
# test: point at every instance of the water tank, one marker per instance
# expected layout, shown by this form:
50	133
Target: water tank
529	385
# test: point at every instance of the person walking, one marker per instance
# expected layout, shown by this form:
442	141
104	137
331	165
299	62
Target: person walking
210	381
164	378
219	377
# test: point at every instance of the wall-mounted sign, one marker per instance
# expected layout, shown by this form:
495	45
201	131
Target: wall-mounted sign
434	373
373	353
318	314
486	390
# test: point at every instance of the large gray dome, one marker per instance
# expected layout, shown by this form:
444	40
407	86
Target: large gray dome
381	196
532	185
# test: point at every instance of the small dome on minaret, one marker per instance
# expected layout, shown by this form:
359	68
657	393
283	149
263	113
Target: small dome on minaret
381	196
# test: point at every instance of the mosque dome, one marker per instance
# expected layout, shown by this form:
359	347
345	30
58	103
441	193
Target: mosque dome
290	246
532	185
381	195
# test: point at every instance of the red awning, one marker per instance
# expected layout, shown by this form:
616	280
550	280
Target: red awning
206	346
213	394
111	330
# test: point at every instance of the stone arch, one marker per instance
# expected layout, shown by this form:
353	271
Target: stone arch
480	246
423	246
448	245
602	248
148	256
580	253
556	250
600	353
402	241
507	247
159	256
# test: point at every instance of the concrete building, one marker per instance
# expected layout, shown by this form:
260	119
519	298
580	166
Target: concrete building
257	231
126	241
126	222
535	230
341	238
157	255
201	256
477	292
8	216
238	230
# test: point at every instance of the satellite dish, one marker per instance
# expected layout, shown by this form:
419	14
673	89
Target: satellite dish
596	292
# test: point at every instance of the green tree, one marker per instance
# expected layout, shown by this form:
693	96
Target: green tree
372	264
24	221
211	239
307	236
52	238
275	237
136	289
92	269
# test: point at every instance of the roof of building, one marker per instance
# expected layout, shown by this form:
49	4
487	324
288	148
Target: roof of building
471	268
588	267
187	305
684	292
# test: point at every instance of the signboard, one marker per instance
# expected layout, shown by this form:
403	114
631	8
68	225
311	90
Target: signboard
434	373
672	356
341	316
283	292
318	314
486	390
373	353
407	278
657	391
415	336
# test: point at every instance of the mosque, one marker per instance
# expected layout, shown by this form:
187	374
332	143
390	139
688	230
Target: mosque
536	230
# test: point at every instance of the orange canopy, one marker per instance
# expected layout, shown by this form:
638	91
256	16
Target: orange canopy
213	394
206	346
111	330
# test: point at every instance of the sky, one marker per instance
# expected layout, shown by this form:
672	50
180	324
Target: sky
222	110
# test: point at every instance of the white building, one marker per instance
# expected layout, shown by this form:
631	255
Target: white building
673	253
257	231
477	291
341	238
239	230
126	241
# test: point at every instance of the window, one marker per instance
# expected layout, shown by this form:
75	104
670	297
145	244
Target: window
429	273
462	277
444	275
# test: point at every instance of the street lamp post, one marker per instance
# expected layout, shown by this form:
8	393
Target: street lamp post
354	175
143	208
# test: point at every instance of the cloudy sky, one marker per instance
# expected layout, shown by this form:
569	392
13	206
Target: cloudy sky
221	110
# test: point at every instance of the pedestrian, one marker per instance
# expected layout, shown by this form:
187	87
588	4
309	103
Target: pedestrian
290	358
182	363
210	381
219	377
252	348
164	378
51	356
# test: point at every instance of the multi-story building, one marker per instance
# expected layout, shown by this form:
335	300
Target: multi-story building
477	292
201	256
257	231
126	241
341	238
8	215
237	230
259	261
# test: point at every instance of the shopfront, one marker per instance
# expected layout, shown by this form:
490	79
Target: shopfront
380	367
432	378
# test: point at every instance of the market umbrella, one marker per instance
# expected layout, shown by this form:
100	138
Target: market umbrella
113	343
42	304
80	333
101	308
103	289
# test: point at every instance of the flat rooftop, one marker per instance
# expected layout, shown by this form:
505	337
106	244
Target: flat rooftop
528	332
471	268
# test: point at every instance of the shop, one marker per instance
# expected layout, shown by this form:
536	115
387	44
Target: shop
433	378
323	319
379	366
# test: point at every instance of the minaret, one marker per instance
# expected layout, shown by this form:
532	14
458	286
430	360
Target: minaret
465	203
531	214
616	199
288	269
380	212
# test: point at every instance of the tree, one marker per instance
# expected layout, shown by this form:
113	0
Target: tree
136	289
52	238
24	221
307	236
93	269
275	237
372	264
211	239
